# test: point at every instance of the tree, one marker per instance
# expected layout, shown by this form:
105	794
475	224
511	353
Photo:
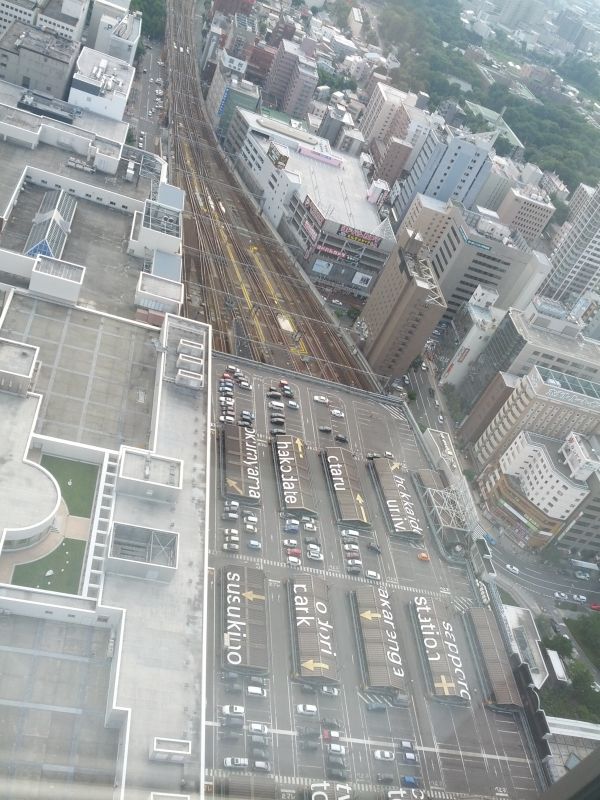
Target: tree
411	395
469	474
563	646
502	146
586	630
561	213
581	678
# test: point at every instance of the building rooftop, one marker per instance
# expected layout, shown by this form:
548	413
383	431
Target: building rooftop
486	224
108	134
587	350
20	35
495	119
53	9
17	358
27	493
552	447
128	28
526	642
108	74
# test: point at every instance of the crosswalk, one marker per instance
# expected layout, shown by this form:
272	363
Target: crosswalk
286	780
373	697
334	573
299	781
462	603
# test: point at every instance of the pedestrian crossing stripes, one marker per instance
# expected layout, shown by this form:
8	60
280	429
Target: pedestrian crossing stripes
330	573
287	780
462	603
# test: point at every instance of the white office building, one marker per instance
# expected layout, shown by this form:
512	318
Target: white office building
450	165
101	84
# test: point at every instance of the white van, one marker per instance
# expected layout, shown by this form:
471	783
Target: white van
276	404
256	691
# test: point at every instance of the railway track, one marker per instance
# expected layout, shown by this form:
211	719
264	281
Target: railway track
237	277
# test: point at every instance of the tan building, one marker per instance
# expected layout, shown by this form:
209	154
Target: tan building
485	409
402	311
545	402
427	217
527	210
380	113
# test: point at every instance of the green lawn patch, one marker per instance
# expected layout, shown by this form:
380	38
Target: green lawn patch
65	563
77	483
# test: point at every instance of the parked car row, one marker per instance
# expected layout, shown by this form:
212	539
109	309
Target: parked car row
247	521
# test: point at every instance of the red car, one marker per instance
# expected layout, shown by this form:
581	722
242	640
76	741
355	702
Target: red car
595	606
294	551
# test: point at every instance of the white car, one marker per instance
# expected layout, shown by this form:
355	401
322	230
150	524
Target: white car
314	555
561	596
232	547
235	763
336	749
309	526
294	561
233	711
250	528
330	690
513	569
441	419
335	412
231	532
580	598
306	709
319	398
351	548
290	543
293	404
383	755
372	575
259	727
250	519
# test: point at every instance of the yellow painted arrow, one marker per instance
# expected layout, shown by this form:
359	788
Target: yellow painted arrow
300	446
312	665
252	596
395	465
370	615
361	503
231	484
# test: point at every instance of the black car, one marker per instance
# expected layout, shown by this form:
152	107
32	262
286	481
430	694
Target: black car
259	753
305	688
308	744
312	540
384	777
229	676
330	723
374	547
232	722
341	438
353	570
277	421
277	431
335	761
258	740
336	774
324	428
230	736
309	733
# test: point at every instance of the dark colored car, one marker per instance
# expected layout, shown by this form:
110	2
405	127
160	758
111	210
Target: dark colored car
339	437
374	547
330	723
336	774
308	744
384	777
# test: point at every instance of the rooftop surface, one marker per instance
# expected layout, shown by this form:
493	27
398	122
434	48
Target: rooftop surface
581	348
55	683
19	34
96	375
16	357
156	469
27	493
161	669
102	129
552	447
111	275
53	9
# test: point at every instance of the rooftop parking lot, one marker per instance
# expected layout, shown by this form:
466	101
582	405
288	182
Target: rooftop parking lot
369	675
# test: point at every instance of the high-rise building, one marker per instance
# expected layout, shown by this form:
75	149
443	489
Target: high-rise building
546	402
576	260
228	91
381	110
543	334
476	249
450	165
292	80
526	209
402	311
